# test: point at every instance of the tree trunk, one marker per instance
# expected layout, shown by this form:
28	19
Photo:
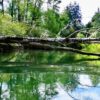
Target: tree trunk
39	46
12	9
2	4
7	39
49	43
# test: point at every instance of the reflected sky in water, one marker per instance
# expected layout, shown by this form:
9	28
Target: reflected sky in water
82	92
79	94
45	76
85	90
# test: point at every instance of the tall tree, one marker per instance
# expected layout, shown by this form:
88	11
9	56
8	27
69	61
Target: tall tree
94	25
2	5
75	15
96	19
26	3
37	9
12	8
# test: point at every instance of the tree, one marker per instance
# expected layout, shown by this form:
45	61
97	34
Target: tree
12	9
75	15
34	8
54	22
2	5
94	24
53	4
96	19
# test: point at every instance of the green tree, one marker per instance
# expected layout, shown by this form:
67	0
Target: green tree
2	5
96	19
54	22
94	24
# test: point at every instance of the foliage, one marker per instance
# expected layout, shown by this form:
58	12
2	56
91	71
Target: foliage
52	22
12	28
27	17
75	15
96	20
74	22
74	12
95	23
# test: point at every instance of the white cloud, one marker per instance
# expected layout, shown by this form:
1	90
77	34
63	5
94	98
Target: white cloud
85	80
92	93
80	93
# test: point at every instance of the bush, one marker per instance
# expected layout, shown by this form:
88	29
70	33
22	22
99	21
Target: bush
10	28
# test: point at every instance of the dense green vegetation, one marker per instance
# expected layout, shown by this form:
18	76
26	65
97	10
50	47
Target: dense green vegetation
32	18
25	72
28	18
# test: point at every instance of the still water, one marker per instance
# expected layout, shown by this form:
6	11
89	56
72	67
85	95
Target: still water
48	76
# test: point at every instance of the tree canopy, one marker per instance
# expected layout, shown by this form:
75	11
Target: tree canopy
29	18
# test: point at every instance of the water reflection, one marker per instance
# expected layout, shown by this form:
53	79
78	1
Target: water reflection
48	76
38	83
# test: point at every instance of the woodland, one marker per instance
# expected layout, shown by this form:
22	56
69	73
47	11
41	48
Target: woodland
43	48
31	25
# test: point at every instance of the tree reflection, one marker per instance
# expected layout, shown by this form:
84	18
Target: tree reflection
36	85
36	75
27	86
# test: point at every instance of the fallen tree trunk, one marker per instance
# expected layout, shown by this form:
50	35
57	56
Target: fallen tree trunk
40	46
4	39
47	44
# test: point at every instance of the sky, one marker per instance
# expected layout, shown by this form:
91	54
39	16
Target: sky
80	92
88	8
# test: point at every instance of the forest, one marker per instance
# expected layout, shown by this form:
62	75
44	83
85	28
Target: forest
36	26
48	54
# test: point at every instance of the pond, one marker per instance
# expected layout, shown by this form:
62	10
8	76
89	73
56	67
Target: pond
38	75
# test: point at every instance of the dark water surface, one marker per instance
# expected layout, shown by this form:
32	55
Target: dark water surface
48	76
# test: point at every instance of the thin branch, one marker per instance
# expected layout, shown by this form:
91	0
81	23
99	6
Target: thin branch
94	33
59	33
86	84
77	31
81	30
72	96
